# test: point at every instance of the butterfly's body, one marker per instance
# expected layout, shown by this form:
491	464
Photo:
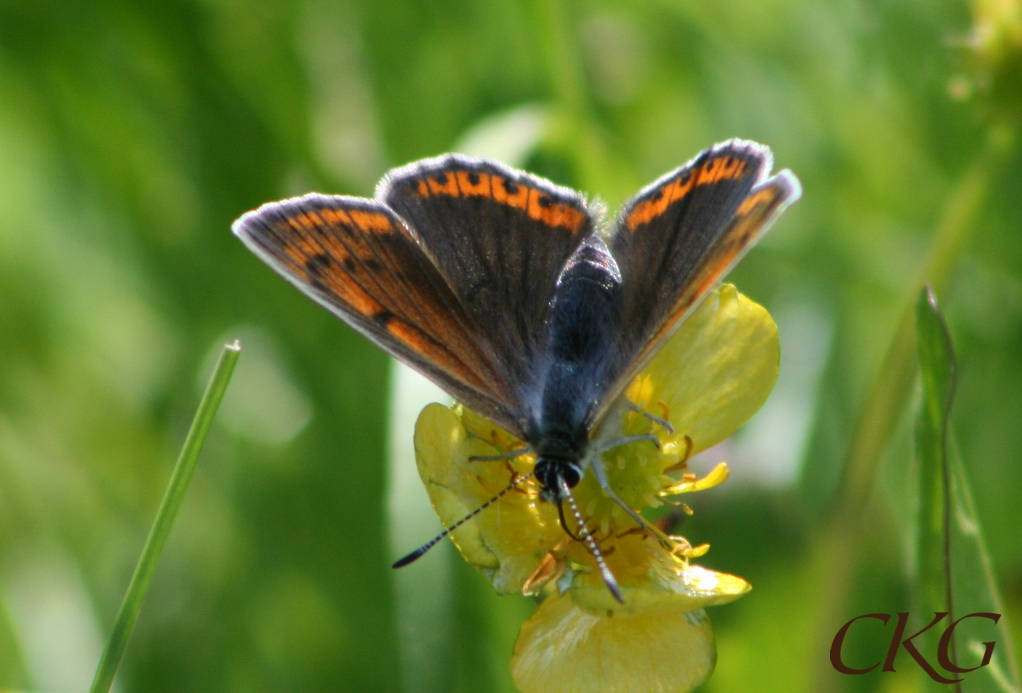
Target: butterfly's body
583	324
500	286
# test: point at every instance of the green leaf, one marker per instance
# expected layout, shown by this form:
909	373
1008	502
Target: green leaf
158	533
953	568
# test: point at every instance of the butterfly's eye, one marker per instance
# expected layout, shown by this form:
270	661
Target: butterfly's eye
544	473
571	475
551	472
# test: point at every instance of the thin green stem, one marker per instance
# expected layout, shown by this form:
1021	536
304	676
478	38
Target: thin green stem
172	498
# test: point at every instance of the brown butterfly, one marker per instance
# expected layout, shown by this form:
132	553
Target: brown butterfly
503	288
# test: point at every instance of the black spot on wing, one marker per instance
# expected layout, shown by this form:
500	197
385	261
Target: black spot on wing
383	318
319	264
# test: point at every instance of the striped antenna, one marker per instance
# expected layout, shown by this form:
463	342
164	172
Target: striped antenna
594	548
419	552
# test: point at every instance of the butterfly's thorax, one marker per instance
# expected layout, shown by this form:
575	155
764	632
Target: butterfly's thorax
583	320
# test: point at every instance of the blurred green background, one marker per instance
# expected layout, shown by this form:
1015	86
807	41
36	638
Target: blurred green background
133	133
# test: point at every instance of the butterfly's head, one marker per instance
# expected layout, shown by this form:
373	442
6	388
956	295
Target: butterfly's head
550	472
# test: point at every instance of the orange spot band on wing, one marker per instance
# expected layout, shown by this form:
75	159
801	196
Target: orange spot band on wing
449	186
371	221
328	242
303	220
335	216
518	199
764	196
652	208
481	188
553	214
533	201
422	344
708	171
409	335
353	294
713	171
721	168
298	241
734	171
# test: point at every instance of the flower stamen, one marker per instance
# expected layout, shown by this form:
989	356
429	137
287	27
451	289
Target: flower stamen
682	464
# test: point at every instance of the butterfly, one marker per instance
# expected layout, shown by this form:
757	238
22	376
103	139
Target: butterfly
510	292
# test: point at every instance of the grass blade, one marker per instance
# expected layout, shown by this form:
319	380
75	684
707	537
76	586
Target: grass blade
933	583
172	498
954	572
841	542
975	591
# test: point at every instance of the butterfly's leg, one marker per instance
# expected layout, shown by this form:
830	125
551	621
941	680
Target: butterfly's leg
663	423
618	442
596	463
597	466
503	456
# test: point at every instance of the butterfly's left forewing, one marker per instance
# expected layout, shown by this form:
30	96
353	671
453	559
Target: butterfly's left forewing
677	239
357	258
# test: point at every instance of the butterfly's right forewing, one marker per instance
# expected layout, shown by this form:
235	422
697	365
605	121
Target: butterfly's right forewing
679	237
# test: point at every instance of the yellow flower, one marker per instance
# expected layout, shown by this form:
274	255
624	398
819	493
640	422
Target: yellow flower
709	378
658	640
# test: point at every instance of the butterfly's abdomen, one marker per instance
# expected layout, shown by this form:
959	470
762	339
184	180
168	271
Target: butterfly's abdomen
584	321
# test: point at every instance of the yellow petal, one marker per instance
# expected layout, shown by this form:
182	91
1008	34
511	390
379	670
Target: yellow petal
506	541
658	640
707	380
566	649
717	369
717	476
711	588
650	577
